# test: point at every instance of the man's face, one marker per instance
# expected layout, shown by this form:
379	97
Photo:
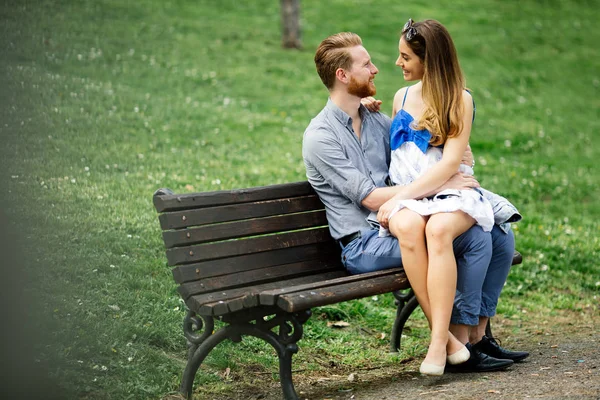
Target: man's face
362	73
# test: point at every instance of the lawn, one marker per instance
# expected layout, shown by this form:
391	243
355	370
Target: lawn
104	102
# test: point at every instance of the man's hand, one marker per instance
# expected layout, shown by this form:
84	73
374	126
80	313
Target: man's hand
468	158
371	103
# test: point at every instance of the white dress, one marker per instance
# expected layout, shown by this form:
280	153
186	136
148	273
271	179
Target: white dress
411	157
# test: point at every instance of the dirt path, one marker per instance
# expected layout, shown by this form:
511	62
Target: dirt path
564	364
558	368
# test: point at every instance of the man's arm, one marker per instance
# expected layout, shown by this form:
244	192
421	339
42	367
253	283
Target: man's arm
324	155
379	196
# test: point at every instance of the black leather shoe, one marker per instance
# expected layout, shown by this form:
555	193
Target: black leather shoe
490	347
479	362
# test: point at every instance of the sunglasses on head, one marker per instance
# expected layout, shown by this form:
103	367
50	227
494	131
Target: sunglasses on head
409	31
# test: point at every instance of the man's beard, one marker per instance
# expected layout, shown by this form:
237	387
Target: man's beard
361	89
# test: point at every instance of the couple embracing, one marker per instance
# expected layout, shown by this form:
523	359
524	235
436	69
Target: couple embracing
401	191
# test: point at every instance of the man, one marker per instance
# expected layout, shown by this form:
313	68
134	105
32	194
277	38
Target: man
346	152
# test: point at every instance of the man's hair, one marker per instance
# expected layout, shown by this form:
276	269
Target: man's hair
443	80
333	53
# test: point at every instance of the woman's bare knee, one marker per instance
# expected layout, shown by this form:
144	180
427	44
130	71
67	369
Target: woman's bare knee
445	227
407	223
409	228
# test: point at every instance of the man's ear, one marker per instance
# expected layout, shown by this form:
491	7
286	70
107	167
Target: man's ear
341	75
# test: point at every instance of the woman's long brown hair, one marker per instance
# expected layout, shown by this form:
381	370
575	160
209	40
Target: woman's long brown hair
443	81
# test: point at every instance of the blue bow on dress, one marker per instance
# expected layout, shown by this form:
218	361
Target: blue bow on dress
401	132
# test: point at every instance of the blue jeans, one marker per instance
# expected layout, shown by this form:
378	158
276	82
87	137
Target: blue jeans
483	260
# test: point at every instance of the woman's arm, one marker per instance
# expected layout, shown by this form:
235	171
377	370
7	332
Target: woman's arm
454	149
442	171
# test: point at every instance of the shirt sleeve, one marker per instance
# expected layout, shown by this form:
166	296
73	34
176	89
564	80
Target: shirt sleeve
326	162
386	123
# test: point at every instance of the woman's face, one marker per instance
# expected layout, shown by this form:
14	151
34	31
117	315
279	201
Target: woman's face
412	66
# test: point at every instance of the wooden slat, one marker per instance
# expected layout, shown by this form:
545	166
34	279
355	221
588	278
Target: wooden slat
257	276
223	197
346	288
217	303
202	252
234	212
252	227
224	266
298	301
269	297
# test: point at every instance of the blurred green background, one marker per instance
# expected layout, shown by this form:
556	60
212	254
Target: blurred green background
105	101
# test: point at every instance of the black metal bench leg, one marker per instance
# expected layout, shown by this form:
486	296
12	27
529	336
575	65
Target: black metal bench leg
285	372
195	361
284	343
290	332
193	325
407	303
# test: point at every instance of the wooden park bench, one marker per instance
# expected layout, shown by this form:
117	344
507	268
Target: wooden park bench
259	260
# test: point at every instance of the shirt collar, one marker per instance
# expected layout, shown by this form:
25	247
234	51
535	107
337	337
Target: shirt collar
342	116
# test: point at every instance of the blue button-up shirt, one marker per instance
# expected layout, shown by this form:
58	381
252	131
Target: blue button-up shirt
344	170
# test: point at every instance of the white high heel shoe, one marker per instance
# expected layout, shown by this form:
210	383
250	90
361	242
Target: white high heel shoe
459	357
431	369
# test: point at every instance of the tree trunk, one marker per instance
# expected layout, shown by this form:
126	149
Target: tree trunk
290	24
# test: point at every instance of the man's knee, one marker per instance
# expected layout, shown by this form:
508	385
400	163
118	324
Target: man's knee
503	243
474	239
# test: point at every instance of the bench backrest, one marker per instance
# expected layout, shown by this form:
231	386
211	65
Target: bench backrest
232	239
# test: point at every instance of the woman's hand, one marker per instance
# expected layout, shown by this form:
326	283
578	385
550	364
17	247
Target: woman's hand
383	215
371	103
460	181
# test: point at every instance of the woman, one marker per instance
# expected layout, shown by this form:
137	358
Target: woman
429	135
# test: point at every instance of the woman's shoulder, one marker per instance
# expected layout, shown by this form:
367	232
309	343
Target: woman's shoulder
400	93
399	99
467	98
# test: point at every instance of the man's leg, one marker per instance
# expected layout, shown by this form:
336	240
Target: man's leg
503	248
464	322
370	253
473	251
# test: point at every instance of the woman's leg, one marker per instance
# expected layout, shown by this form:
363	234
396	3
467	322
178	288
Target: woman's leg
409	228
440	232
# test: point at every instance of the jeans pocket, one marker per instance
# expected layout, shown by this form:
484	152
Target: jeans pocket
351	256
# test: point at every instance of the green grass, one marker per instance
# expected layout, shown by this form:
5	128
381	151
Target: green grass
104	102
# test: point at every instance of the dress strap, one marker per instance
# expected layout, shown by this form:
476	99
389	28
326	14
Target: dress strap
403	100
473	99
